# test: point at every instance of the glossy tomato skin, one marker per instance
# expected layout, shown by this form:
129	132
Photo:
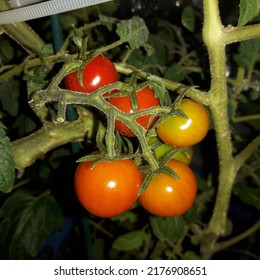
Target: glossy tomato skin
97	73
109	188
145	99
164	149
169	197
181	132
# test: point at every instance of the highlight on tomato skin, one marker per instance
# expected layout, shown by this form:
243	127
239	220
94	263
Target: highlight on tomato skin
99	72
145	99
109	188
181	132
166	196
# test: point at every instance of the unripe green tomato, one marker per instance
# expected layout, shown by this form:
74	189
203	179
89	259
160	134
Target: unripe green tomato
163	149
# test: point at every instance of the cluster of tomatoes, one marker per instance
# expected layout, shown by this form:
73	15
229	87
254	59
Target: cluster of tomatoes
110	187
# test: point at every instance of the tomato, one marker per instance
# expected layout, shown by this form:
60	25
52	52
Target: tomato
181	132
163	149
145	99
99	72
168	197
109	188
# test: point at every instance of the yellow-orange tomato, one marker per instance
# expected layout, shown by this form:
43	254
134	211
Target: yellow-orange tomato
169	197
108	188
183	132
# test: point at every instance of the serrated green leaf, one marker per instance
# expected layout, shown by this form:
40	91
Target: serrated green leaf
48	50
130	241
27	221
134	31
107	21
248	9
249	53
188	18
167	229
7	166
248	195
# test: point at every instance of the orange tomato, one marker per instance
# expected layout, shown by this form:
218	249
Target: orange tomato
109	188
168	197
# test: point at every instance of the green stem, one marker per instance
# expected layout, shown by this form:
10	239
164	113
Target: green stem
70	97
213	38
238	34
110	135
226	244
198	95
246	118
240	159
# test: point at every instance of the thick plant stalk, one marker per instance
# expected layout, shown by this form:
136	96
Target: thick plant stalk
51	136
214	40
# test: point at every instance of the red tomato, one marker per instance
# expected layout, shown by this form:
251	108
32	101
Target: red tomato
168	197
181	132
145	99
97	73
109	188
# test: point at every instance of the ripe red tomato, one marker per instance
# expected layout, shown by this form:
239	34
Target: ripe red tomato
99	72
181	132
145	99
109	188
163	149
168	197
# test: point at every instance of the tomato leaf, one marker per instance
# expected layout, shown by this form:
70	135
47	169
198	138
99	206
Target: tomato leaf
248	9
190	255
6	51
130	241
9	94
126	216
176	73
98	247
188	18
27	221
249	53
248	195
7	166
107	21
134	31
167	229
